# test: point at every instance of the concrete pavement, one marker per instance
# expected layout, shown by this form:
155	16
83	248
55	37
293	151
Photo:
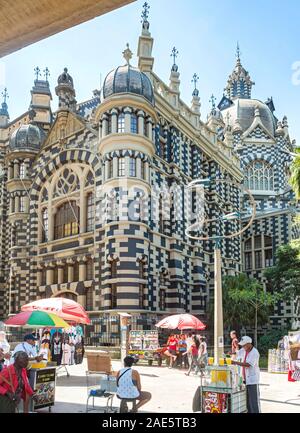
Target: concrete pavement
172	391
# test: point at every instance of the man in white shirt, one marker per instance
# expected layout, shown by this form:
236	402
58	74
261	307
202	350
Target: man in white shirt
249	361
27	346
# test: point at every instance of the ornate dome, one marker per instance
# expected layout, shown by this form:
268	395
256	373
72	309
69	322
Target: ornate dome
27	137
128	79
243	111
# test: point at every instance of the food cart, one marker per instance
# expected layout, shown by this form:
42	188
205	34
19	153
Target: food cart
143	345
222	390
42	379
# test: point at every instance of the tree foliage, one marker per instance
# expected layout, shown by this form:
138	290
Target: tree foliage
284	277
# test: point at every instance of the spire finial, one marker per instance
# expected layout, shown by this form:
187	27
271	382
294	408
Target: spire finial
5	95
37	72
127	54
227	117
46	73
145	12
238	51
195	80
174	54
213	102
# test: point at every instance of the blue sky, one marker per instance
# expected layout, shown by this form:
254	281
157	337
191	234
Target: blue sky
205	34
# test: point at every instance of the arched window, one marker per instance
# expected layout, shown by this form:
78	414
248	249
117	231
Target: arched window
259	176
113	269
121	123
134	124
66	220
90	212
258	252
45	228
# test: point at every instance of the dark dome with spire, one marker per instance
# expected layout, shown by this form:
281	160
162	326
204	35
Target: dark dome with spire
128	79
27	138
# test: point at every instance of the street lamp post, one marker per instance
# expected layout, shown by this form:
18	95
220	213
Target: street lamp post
218	301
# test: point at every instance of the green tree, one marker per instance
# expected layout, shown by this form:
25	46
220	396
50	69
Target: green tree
284	277
295	175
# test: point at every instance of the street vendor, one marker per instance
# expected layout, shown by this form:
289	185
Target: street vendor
14	385
248	357
28	346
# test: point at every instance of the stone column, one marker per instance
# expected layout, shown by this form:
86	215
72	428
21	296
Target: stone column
114	121
149	128
127	159
60	271
82	207
39	276
100	130
139	168
11	204
51	218
49	274
127	113
141	122
26	204
115	166
70	264
10	170
104	125
16	169
147	171
106	175
82	268
17	203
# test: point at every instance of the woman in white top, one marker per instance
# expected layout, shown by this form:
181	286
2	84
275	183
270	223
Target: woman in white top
4	350
129	384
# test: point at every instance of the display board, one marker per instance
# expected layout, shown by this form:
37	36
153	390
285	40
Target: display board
44	387
143	340
215	402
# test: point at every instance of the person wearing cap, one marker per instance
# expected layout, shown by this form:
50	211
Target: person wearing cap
249	357
28	346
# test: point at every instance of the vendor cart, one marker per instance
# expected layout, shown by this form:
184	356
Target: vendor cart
222	391
143	345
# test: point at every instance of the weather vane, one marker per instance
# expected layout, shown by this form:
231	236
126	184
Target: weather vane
5	95
174	54
37	72
145	13
213	102
46	73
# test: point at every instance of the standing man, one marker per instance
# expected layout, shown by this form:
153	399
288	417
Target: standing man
28	346
249	357
234	345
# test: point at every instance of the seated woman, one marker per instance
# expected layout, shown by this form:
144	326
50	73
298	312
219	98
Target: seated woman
14	385
129	384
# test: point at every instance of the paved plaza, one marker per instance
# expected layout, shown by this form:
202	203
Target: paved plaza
172	391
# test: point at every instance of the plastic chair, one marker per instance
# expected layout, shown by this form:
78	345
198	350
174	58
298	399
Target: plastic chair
124	407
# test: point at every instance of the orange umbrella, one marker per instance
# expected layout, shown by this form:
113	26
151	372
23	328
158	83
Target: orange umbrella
67	309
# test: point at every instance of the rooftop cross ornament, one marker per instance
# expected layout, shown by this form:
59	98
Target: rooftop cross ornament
238	51
46	73
37	72
213	102
174	54
145	13
5	95
127	54
195	80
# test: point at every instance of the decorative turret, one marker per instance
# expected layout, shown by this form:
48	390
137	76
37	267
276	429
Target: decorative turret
196	99
239	83
214	119
41	97
65	91
174	77
4	116
145	46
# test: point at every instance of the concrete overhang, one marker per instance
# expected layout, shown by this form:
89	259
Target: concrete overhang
24	22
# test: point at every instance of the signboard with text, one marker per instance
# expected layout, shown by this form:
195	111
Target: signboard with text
44	387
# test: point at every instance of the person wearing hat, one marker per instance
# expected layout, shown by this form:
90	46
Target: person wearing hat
28	346
249	357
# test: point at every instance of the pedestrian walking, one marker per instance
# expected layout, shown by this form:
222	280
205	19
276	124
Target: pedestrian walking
203	352
248	359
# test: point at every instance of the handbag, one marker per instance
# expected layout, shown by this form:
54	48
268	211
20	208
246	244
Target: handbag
11	395
296	374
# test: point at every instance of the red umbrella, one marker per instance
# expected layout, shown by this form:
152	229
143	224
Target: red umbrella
181	321
65	308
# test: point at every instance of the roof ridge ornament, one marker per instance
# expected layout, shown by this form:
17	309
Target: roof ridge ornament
174	54
145	15
37	72
195	80
127	54
46	73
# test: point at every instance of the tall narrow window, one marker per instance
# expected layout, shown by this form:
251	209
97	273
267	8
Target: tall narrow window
22	204
141	296
121	123
22	170
161	216
134	124
141	269
76	271
132	167
90	221
113	269
89	302
109	125
162	299
55	275
143	170
45	228
44	277
110	169
248	261
90	269
121	166
113	296
66	273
